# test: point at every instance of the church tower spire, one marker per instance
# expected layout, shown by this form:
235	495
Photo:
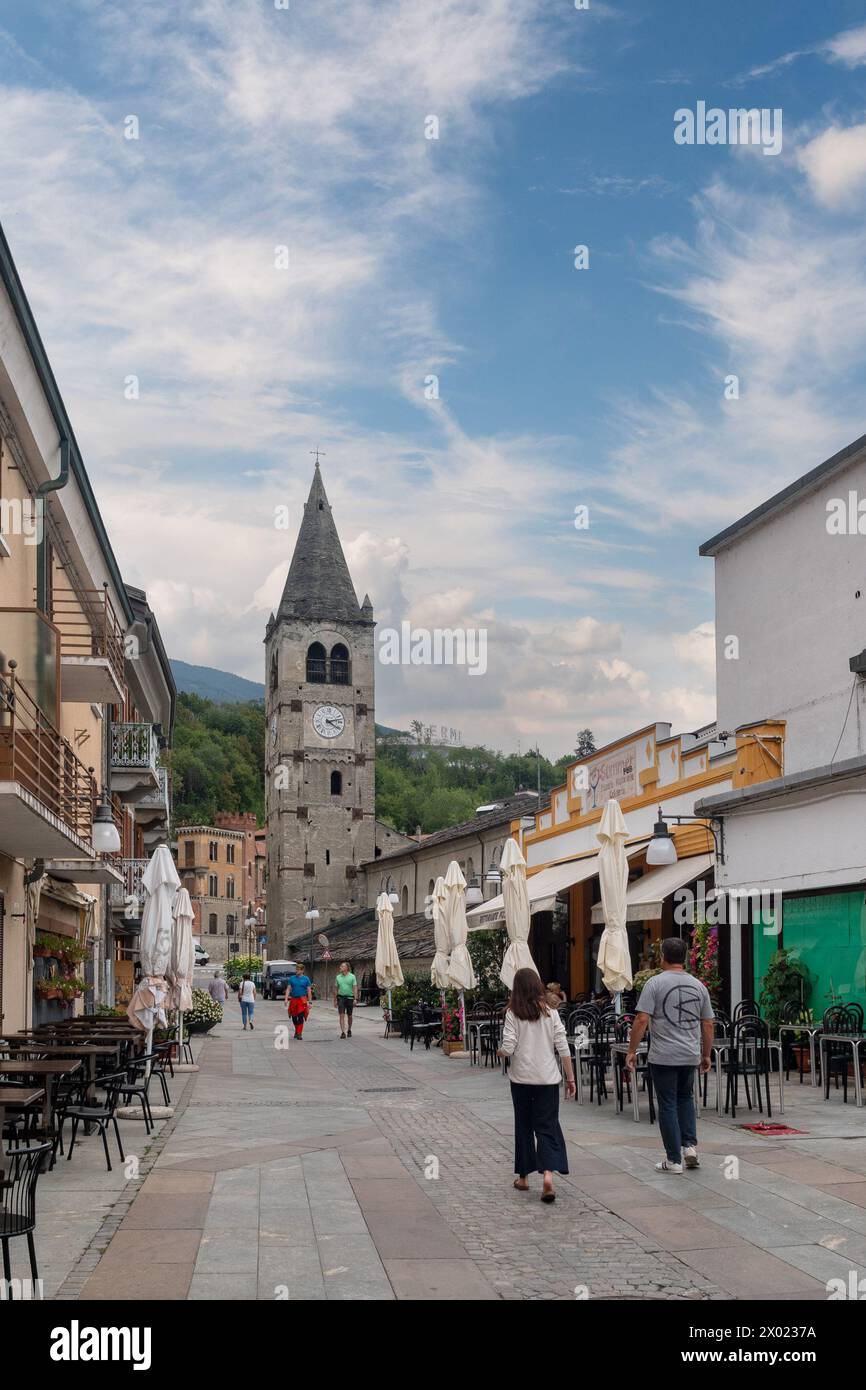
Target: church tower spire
319	585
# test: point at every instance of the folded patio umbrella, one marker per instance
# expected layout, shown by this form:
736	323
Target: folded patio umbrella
439	968
160	881
515	896
182	962
614	957
460	973
388	972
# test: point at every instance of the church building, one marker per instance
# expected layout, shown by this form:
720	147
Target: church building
320	760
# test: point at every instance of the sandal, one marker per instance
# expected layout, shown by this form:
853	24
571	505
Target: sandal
521	1184
548	1195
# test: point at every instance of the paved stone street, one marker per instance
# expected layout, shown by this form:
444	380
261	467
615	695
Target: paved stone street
301	1172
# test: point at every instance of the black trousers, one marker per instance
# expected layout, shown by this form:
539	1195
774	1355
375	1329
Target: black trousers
539	1145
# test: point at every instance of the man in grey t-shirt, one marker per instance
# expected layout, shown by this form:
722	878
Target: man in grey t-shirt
677	1009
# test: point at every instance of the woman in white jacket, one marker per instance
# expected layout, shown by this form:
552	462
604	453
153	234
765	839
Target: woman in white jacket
532	1035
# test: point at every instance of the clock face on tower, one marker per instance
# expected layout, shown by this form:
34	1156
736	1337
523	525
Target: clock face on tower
328	721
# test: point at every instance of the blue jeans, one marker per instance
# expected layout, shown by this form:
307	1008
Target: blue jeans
675	1099
247	1012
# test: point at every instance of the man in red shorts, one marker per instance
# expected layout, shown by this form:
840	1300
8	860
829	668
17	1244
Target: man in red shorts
299	997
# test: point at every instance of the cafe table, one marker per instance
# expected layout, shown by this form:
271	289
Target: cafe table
16	1098
88	1052
47	1069
812	1030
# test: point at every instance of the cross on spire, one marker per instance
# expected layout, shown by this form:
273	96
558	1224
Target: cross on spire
316	452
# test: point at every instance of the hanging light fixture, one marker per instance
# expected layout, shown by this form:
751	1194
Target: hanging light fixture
661	848
104	834
474	895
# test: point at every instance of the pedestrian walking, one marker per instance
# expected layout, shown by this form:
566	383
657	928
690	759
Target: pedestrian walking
679	1014
532	1036
247	1001
299	998
345	997
217	988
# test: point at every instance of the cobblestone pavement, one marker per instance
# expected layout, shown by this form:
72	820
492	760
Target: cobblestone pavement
360	1170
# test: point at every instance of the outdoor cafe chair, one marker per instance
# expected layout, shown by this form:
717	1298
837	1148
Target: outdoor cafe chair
21	1122
794	1012
100	1115
18	1203
747	1008
847	1020
749	1056
422	1024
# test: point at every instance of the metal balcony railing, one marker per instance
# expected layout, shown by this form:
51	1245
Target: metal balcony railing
88	626
35	755
132	870
133	746
158	797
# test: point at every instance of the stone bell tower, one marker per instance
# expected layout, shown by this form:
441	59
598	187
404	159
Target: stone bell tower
320	738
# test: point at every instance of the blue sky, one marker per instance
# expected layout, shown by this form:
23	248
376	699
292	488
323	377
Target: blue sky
304	128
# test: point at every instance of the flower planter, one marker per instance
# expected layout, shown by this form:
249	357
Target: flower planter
449	1047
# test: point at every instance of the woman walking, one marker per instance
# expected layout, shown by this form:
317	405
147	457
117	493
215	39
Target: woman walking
247	1000
532	1035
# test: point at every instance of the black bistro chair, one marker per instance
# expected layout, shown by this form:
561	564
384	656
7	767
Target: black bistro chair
846	1019
792	1013
750	1056
101	1114
18	1205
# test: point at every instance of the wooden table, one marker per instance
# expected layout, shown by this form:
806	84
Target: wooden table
17	1099
49	1069
88	1052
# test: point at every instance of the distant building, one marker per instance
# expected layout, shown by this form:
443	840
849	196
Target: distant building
212	862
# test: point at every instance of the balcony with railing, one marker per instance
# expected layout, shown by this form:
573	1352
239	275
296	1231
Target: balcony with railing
47	795
91	645
127	898
133	754
153	808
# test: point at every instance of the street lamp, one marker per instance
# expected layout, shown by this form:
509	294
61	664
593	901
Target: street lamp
474	895
393	895
104	833
250	922
312	916
661	848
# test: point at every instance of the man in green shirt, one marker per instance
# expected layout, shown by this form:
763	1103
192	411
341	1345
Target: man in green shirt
345	995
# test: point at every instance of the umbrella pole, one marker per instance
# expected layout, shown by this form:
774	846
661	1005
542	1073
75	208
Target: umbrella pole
617	1002
180	1035
149	1048
463	1019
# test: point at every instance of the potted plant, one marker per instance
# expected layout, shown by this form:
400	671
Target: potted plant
786	981
704	958
48	987
204	1014
451	1039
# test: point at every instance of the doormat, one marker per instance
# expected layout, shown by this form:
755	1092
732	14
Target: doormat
774	1130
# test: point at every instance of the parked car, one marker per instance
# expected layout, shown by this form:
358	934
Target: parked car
201	955
275	980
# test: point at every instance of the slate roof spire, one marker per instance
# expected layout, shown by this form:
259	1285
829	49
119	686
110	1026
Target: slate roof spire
319	585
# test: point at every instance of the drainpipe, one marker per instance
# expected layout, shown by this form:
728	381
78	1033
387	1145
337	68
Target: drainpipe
50	485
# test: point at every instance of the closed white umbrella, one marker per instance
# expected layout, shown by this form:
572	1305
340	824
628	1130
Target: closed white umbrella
388	971
517	920
614	957
160	881
460	974
439	968
182	964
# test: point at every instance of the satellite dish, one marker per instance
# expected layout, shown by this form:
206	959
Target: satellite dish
323	940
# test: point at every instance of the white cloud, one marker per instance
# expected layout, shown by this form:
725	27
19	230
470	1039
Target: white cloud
835	165
849	47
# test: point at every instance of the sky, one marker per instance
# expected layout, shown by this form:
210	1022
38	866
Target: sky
242	244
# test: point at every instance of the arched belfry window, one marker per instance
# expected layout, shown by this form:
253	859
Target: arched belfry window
275	674
336	784
340	674
404	900
317	661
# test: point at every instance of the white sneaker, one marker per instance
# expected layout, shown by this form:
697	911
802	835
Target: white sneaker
690	1155
667	1167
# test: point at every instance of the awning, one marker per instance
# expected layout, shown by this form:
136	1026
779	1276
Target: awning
543	888
646	895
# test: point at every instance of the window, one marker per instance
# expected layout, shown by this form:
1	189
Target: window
212	886
230	887
404	901
230	854
317	662
212	924
430	886
213	851
340	674
336	784
327	856
189	851
230	924
275	672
